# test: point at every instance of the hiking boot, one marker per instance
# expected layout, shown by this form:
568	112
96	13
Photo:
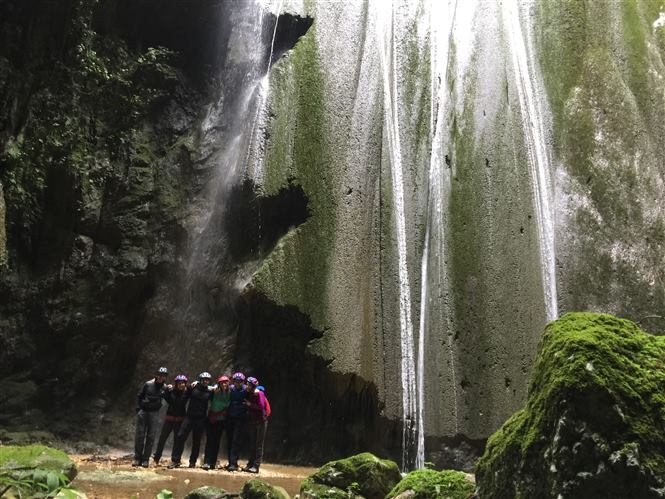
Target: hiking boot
192	465
252	469
205	466
174	465
231	467
136	463
156	461
145	464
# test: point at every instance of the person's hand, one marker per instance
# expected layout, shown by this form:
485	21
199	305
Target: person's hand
169	387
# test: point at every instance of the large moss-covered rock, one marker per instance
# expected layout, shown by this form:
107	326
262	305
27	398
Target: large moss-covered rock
206	492
35	457
592	425
258	489
429	484
363	475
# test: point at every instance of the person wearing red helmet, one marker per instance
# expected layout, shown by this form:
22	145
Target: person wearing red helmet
176	398
257	409
216	423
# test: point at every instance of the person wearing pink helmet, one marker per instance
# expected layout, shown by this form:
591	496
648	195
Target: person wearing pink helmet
257	409
216	423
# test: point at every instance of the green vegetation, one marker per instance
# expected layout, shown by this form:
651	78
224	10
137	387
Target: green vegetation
428	484
36	471
595	404
82	113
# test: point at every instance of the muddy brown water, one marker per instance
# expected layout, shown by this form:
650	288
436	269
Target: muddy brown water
114	478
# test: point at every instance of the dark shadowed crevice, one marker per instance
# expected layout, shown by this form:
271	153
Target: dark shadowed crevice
255	224
318	414
198	30
289	29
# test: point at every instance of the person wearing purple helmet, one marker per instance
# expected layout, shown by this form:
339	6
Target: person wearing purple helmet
258	412
148	403
236	418
176	398
195	421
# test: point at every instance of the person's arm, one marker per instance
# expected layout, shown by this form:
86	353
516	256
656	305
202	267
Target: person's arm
140	395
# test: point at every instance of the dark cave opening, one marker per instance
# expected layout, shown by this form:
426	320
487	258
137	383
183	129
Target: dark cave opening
317	414
255	223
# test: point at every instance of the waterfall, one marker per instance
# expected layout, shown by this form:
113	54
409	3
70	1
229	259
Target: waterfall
442	15
387	53
255	153
539	163
231	123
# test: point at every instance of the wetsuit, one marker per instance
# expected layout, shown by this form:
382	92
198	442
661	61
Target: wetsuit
236	418
215	426
195	420
257	410
149	401
175	415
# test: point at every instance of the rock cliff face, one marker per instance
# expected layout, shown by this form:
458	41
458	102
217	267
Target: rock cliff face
587	429
374	229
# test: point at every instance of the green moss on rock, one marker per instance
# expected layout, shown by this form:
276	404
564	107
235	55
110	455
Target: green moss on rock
592	425
258	489
299	153
362	475
426	484
206	492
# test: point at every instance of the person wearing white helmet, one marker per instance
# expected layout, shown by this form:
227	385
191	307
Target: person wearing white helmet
195	421
149	401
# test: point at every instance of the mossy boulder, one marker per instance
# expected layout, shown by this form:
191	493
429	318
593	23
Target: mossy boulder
206	492
594	417
363	475
430	484
36	457
258	489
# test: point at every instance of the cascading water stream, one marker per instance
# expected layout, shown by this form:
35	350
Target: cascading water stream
387	55
442	15
537	149
259	120
231	123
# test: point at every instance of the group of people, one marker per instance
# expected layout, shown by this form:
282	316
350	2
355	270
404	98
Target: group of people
233	405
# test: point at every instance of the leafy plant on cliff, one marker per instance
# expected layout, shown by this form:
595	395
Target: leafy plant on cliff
82	112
